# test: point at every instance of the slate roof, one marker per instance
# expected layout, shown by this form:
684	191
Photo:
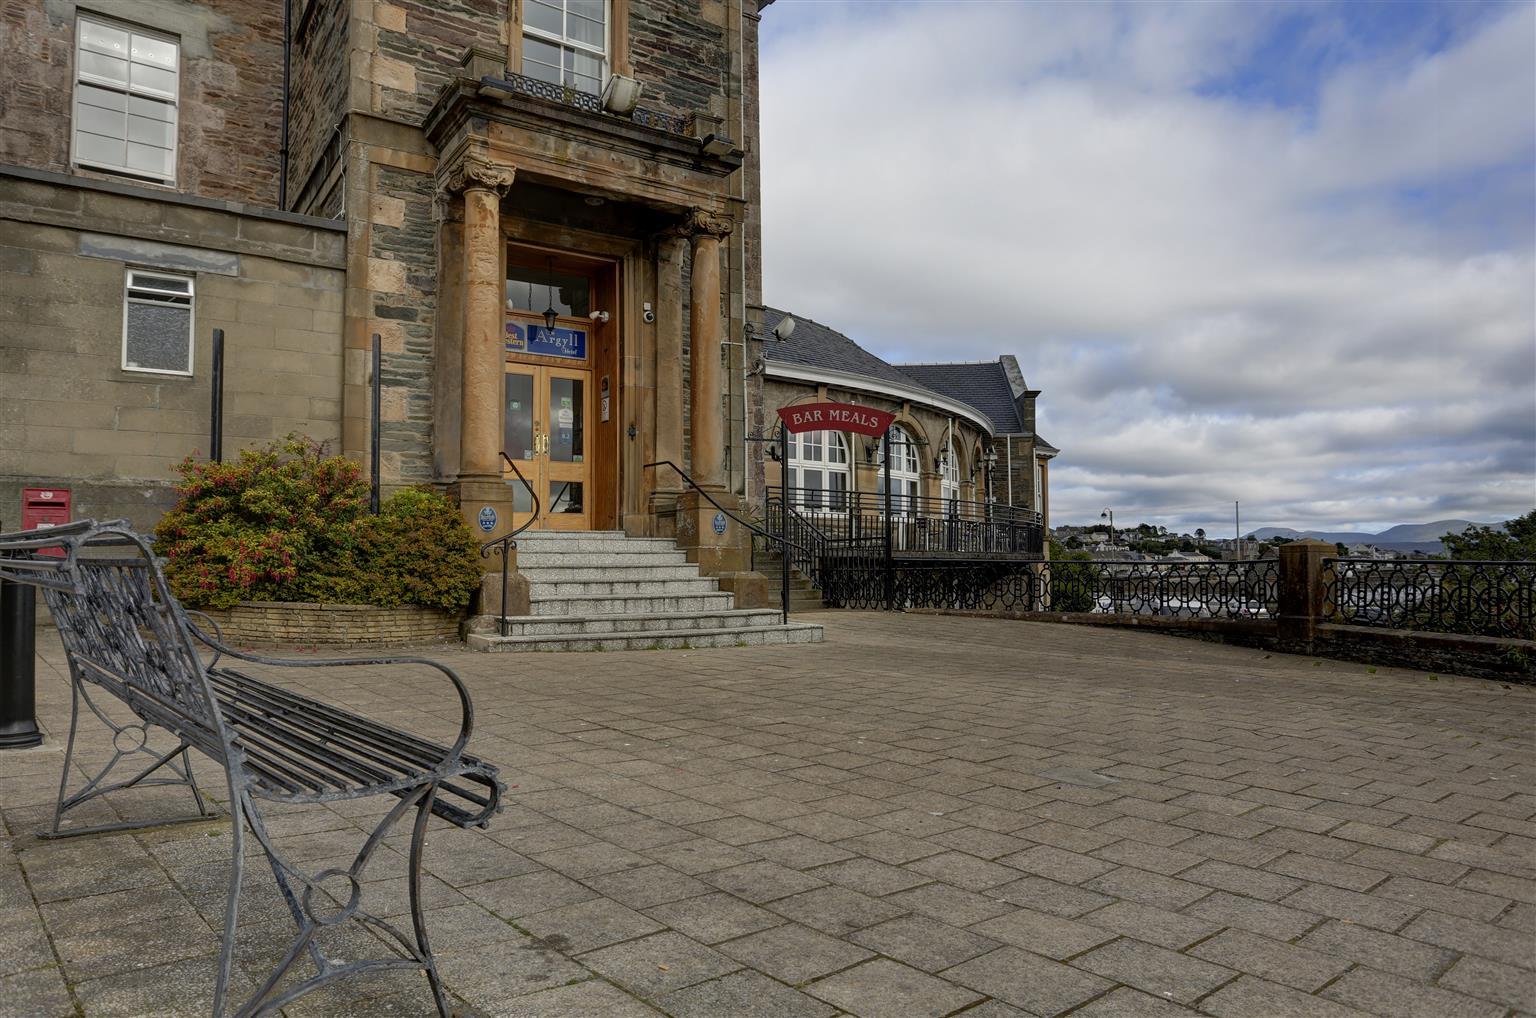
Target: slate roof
817	346
981	384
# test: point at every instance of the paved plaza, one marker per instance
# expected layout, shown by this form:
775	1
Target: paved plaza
923	816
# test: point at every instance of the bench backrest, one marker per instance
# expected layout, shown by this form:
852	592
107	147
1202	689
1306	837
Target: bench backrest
121	627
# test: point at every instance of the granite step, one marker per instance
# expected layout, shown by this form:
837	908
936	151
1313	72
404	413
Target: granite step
671	639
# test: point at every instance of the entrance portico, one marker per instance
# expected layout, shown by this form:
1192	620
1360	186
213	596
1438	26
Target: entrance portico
562	316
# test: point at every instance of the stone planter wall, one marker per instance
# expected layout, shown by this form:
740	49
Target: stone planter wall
295	624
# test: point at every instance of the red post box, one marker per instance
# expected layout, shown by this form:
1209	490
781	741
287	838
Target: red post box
45	507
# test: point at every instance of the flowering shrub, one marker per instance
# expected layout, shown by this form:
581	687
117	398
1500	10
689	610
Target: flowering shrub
289	523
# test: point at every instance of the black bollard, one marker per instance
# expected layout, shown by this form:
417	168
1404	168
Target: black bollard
18	675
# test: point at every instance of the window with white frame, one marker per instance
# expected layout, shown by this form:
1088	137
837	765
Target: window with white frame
566	42
157	323
904	472
1039	486
818	469
126	88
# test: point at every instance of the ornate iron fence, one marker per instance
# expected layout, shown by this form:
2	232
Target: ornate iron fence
537	88
1474	598
919	524
1211	590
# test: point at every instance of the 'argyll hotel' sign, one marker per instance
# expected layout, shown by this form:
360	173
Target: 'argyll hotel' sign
835	417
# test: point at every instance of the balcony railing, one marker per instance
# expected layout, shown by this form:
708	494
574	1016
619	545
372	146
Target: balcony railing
537	88
919	524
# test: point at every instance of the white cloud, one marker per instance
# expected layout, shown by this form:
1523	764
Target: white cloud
1314	309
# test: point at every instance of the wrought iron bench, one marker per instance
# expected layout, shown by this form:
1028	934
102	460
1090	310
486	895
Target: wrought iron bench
126	635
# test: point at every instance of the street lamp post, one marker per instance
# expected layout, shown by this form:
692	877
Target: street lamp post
1109	514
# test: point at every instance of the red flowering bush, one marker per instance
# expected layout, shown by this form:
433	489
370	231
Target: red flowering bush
289	523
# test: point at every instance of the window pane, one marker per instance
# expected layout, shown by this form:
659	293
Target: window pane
150	109
579	29
586	72
544	16
517	437
103	98
566	426
155	79
98	121
149	159
99	65
103	38
158	337
534	289
565	496
594	9
147	132
97	149
541	60
148	50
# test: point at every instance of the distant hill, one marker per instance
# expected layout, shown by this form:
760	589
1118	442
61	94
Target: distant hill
1422	537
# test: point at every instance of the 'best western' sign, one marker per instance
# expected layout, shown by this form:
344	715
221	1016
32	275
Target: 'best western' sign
835	417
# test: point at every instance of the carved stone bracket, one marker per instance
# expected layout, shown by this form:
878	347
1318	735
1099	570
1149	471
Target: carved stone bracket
476	171
700	221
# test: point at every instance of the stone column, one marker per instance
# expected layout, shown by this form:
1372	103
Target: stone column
1301	605
706	414
482	361
669	368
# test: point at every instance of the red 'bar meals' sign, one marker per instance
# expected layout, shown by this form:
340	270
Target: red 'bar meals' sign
835	417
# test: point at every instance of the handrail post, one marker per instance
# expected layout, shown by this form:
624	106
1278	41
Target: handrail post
375	439
784	520
890	566
216	399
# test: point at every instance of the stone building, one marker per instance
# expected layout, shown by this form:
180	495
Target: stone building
963	437
541	207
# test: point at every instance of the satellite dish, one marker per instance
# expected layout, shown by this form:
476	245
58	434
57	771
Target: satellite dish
784	329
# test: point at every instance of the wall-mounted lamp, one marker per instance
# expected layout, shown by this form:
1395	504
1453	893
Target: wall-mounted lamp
601	317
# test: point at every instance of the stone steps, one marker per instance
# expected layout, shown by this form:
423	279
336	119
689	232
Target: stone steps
607	591
630	622
671	639
628	604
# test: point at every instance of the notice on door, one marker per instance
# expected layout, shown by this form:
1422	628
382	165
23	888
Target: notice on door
605	403
565	417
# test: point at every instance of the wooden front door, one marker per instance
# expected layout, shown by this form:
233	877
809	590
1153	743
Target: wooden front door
547	434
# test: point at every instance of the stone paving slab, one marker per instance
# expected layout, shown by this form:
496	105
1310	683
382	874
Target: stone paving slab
923	815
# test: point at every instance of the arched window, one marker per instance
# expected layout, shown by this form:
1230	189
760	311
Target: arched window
818	469
904	477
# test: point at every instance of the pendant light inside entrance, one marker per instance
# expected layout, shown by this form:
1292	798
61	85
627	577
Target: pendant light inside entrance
550	314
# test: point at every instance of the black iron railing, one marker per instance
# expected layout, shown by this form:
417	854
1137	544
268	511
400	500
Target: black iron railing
919	524
1210	590
786	547
537	88
1473	598
508	542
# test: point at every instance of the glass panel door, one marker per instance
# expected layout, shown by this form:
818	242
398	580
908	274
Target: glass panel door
544	432
567	470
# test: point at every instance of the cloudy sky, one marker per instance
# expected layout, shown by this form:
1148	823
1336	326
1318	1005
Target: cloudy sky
1282	254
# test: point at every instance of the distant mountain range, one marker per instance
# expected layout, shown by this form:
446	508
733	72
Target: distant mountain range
1424	537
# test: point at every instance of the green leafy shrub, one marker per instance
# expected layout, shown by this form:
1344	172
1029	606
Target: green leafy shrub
289	523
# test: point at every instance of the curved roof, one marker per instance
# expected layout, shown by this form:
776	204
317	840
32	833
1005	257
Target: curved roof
818	346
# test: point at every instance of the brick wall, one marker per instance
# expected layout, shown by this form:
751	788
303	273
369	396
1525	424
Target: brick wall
285	624
229	112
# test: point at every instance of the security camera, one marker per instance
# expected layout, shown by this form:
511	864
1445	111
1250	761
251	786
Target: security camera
649	315
784	329
599	316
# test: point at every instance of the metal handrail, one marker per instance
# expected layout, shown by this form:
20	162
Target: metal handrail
754	528
509	541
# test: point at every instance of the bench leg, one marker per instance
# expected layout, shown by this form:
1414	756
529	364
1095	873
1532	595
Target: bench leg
316	907
130	743
232	906
418	916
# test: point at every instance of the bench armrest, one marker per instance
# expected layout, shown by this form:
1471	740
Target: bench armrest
466	708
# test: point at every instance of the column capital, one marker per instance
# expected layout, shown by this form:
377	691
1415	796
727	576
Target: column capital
703	223
477	172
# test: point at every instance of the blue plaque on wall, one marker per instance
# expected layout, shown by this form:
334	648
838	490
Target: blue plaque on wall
570	344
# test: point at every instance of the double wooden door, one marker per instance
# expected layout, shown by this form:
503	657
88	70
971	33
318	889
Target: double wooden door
546	433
